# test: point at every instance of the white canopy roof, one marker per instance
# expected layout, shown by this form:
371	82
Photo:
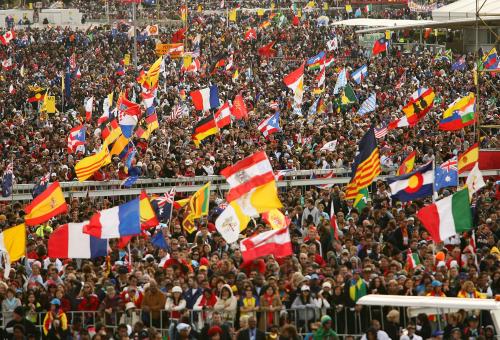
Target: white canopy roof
463	9
367	22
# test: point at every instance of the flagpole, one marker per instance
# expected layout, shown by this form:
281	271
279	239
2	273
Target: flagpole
135	33
129	255
434	181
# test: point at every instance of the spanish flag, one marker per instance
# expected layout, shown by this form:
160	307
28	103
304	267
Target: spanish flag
48	204
86	167
407	165
204	128
148	216
366	165
468	159
199	201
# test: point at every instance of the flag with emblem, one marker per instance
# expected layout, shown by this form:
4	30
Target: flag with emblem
48	204
446	175
416	184
270	125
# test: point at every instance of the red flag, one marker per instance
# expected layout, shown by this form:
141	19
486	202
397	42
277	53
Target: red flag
295	21
251	34
179	36
334	231
239	109
267	51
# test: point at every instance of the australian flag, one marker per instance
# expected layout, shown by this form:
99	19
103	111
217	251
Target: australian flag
7	180
163	205
446	175
41	185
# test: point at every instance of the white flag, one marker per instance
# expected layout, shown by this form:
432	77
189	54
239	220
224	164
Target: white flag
475	180
230	222
330	146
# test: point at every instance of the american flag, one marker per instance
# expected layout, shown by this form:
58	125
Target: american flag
380	133
168	197
178	111
450	164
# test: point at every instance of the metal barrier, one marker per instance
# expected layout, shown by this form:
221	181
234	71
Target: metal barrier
346	321
302	178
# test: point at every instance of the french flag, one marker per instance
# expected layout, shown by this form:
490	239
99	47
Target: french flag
69	241
205	99
116	222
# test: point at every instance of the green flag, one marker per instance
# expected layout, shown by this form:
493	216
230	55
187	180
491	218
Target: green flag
361	200
348	96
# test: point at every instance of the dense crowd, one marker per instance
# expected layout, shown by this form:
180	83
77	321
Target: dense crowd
199	286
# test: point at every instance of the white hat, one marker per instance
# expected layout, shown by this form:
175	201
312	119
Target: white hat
327	285
305	288
177	289
182	327
441	264
129	305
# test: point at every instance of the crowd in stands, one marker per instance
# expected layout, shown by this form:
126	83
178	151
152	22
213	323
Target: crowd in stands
199	287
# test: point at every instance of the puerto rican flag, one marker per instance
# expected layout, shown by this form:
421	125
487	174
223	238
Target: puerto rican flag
270	125
76	138
116	222
69	241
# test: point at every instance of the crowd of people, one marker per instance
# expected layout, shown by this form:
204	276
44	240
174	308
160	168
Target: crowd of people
199	286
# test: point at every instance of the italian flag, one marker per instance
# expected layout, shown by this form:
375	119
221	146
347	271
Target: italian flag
368	8
447	217
412	260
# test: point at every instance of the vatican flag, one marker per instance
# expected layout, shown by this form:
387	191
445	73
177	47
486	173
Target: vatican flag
231	221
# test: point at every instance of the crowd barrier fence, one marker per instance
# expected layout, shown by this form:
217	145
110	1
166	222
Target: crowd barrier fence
346	321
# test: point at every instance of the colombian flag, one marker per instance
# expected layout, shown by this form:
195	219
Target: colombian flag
48	204
468	159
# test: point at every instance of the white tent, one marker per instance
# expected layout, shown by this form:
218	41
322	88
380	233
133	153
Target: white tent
466	9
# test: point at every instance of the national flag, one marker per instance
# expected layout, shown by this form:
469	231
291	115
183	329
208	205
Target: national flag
265	24
251	34
357	14
236	75
276	219
218	61
329	146
444	56
400	122
368	105
178	36
468	158
178	110
381	132
13	242
348	8
41	185
7	64
89	104
381	45
295	82
413	185
48	104
448	216
407	165
125	106
12	90
69	242
151	125
239	109
158	240
111	131
206	98
8	180
270	125
459	64
420	103
491	60
412	259
147	213
315	62
274	105
127	124
366	165
332	44
163	205
204	127
459	114
115	222
252	184
368	8
37	95
152	76
361	199
233	14
76	138
328	175
321	76
334	227
152	30
359	74
7	37
280	174
231	222
129	181
199	202
446	175
348	95
194	66
357	289
341	81
275	242
475	180
267	50
48	204
87	166
106	105
223	116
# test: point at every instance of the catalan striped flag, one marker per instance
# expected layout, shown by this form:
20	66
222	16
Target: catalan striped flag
366	165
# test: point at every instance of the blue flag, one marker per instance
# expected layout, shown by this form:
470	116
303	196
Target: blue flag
129	181
163	205
159	241
41	185
446	175
357	14
7	180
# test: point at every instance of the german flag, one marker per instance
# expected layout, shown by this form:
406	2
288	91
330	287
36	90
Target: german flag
48	204
468	159
204	128
366	165
218	61
37	95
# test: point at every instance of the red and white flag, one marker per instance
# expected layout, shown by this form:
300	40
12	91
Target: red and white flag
7	37
400	122
401	81
251	34
89	104
273	242
12	90
223	116
7	64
